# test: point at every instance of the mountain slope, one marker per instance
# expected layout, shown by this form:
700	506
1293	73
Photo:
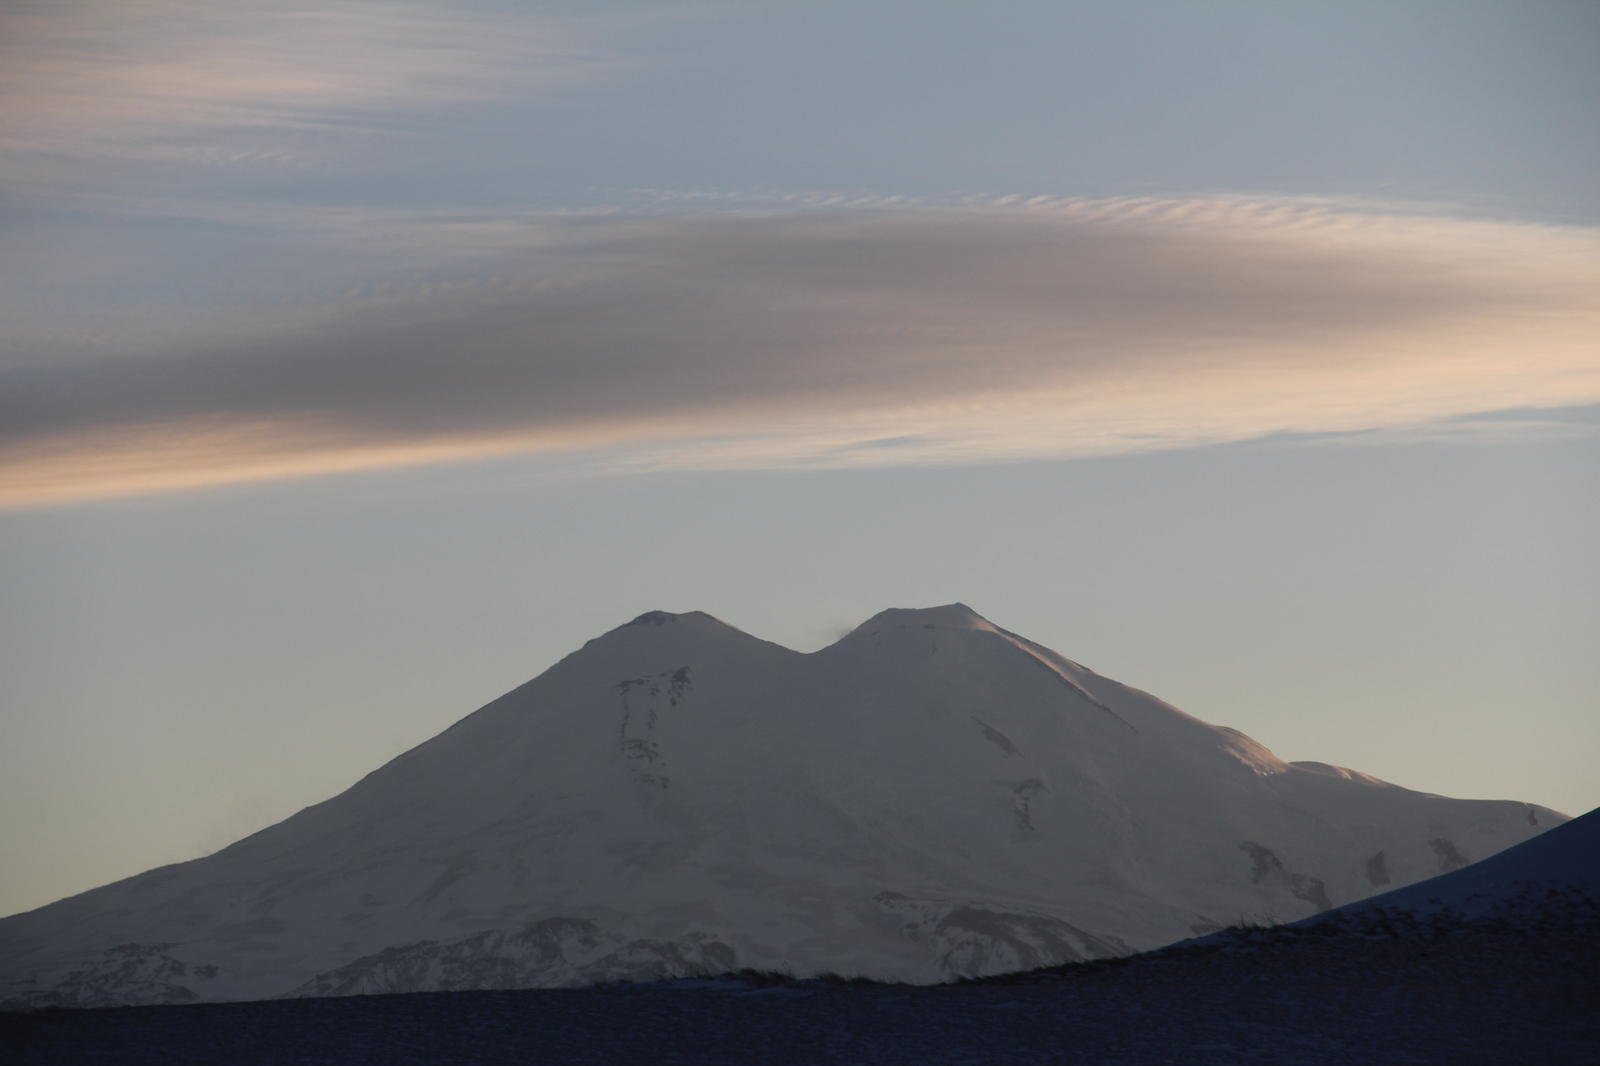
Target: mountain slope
1523	878
930	796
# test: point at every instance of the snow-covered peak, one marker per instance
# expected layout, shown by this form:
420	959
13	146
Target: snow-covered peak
664	618
699	621
657	634
930	796
956	616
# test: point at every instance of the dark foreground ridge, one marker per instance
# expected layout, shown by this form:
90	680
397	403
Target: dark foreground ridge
1386	986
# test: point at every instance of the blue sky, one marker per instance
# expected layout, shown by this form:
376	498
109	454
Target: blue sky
364	358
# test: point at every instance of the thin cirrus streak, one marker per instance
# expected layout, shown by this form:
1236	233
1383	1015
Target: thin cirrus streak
286	85
920	335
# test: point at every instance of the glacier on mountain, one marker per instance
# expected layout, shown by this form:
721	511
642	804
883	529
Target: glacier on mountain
929	797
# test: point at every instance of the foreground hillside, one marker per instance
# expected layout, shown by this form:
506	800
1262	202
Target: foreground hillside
1497	963
1494	995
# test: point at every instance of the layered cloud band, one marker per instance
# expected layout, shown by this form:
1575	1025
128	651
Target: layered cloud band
955	334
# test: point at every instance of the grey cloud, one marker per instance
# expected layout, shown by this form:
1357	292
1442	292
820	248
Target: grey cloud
697	318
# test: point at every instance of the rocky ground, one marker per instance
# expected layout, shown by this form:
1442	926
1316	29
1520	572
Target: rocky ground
1384	987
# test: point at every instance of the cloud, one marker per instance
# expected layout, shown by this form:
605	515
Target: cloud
250	85
966	334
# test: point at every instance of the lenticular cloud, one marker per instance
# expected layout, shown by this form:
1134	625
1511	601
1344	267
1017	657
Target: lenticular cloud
917	335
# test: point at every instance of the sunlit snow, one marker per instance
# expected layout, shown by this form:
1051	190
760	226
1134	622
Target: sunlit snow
930	797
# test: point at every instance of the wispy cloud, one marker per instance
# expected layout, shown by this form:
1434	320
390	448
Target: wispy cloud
284	85
169	324
955	334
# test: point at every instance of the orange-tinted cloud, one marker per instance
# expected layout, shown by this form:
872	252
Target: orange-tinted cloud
923	335
280	85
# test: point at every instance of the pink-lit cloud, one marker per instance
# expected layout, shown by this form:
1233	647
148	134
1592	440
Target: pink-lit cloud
925	335
280	85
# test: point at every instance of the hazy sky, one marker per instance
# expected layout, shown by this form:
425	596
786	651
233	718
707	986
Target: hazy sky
362	359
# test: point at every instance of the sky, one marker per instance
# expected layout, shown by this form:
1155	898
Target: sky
362	359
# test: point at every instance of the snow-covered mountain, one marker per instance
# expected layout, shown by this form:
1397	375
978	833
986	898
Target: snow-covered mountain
1519	881
930	796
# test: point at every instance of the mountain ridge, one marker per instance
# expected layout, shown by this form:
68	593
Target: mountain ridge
928	797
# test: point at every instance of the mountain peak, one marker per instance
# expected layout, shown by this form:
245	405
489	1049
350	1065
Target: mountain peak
935	798
658	633
948	616
656	619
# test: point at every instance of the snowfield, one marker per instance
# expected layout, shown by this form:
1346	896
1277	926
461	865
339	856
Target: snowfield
931	797
1502	966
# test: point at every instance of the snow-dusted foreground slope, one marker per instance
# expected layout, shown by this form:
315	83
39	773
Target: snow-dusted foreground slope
930	796
1521	878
